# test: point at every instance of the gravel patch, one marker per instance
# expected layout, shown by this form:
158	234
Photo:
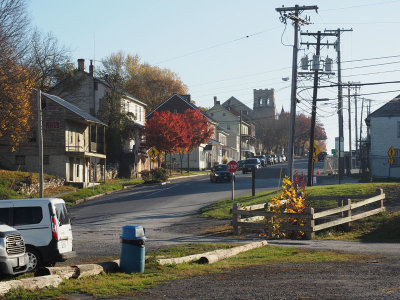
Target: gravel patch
366	280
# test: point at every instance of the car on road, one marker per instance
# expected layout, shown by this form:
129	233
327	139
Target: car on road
270	160
322	155
275	158
220	173
240	164
250	164
262	159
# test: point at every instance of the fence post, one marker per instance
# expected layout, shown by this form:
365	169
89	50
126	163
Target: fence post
310	234
380	192
236	218
347	226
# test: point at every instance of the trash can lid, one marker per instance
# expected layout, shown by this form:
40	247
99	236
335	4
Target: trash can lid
133	232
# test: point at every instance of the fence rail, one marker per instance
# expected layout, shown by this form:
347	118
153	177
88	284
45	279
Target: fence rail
254	216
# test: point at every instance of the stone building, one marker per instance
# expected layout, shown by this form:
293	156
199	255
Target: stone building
87	92
264	103
73	144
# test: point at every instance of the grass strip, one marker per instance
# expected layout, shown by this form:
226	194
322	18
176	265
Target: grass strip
120	284
322	196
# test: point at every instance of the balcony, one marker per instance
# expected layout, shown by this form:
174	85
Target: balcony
248	148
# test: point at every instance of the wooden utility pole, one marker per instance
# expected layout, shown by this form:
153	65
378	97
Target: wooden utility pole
340	101
293	13
317	70
40	140
350	159
240	136
313	115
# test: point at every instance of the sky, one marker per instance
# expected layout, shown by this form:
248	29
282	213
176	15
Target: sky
228	48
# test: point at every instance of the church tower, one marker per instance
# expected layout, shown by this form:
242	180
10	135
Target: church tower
264	103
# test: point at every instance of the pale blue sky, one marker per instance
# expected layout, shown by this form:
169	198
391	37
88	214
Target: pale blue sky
165	32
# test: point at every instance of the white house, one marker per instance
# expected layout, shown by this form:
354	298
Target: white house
384	133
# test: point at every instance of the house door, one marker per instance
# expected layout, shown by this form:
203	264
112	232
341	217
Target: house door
71	169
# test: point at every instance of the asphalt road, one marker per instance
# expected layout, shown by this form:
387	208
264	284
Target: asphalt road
97	224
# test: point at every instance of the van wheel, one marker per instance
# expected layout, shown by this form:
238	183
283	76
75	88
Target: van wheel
34	259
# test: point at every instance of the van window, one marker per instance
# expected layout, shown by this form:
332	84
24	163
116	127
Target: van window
62	213
5	216
27	215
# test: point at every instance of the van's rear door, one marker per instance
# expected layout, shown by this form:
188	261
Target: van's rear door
64	227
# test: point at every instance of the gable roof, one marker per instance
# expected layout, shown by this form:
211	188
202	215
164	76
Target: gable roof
390	109
73	108
186	100
238	105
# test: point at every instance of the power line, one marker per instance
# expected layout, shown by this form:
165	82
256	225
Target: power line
217	45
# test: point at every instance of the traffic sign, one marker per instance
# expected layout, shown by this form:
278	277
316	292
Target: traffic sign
391	160
153	152
232	166
391	152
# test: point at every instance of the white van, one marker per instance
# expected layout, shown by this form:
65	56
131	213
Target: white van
45	226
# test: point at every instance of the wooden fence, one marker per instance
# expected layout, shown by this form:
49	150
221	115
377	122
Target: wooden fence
255	216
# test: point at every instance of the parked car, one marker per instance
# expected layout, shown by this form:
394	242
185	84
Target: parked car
13	258
251	163
270	160
322	155
45	226
280	158
262	159
275	158
240	163
220	173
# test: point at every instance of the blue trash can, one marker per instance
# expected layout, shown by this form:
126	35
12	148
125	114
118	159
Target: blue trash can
132	249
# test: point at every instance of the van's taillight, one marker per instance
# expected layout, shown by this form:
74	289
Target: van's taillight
54	231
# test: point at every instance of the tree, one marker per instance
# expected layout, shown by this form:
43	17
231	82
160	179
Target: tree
200	131
14	24
118	121
150	84
50	62
15	92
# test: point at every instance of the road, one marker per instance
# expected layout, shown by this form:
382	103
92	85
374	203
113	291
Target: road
97	223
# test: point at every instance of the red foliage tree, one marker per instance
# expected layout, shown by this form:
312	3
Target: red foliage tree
167	132
199	130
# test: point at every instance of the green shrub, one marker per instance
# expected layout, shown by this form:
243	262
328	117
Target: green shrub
155	175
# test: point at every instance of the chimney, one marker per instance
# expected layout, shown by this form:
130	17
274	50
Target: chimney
81	64
91	68
215	101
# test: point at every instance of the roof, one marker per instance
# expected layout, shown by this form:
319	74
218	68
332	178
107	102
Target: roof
73	108
123	92
237	105
186	100
390	109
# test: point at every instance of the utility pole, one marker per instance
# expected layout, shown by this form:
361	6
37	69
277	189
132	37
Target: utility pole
316	71
348	95
293	13
240	136
340	101
40	140
313	115
361	119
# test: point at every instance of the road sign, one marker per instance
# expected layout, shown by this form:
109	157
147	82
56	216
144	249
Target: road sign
153	152
232	166
316	150
391	160
391	152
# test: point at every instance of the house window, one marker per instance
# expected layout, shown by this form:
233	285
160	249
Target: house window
212	114
228	126
223	114
78	161
20	160
32	137
96	85
175	110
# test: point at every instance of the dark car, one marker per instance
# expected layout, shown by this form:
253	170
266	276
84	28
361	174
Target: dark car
220	173
322	155
240	163
251	163
263	160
